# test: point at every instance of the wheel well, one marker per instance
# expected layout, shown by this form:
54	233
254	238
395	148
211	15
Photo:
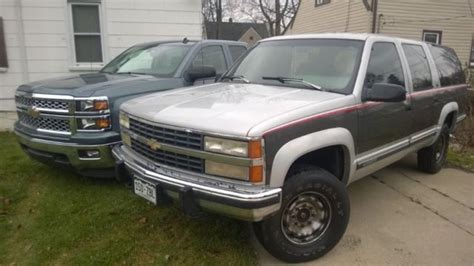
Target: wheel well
450	120
333	159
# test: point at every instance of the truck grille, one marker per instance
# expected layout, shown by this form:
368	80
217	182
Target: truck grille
169	136
45	123
169	158
42	103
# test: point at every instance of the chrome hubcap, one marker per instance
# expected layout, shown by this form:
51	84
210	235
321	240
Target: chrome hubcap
306	217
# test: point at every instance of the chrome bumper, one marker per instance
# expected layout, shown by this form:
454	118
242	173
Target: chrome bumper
240	202
55	152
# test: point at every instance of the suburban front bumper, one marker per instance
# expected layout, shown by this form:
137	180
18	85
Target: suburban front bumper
240	202
67	154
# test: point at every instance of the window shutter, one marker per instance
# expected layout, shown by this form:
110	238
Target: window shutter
3	47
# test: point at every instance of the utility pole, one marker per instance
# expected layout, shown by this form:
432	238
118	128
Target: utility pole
277	18
218	18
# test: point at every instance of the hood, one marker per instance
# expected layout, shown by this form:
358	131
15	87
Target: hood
225	108
91	84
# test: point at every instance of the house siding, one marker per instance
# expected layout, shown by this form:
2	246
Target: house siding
336	16
408	19
38	37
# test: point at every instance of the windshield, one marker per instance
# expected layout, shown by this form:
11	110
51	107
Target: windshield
161	60
331	64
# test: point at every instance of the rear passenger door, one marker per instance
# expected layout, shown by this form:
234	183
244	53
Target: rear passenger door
384	122
422	83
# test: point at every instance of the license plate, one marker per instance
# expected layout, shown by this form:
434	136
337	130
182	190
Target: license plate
145	189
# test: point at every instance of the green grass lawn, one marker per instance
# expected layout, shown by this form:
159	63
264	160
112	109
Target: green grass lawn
52	216
463	160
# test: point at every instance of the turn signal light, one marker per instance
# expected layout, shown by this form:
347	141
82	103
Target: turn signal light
255	149
101	105
256	173
102	123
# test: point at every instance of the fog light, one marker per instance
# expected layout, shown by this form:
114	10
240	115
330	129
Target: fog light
89	154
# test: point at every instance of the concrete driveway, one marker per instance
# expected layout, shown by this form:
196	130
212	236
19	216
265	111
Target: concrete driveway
404	217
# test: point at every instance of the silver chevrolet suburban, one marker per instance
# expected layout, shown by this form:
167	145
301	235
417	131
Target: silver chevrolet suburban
288	127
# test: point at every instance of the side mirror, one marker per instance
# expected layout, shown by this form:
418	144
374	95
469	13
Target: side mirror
385	92
200	72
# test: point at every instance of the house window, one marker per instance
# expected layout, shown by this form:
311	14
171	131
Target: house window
86	32
321	2
3	48
432	36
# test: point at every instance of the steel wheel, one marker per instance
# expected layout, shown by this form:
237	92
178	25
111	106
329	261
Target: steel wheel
306	218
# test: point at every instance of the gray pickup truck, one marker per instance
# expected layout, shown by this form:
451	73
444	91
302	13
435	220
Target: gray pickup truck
73	121
288	127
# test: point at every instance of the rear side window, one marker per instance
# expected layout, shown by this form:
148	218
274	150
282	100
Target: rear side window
448	65
236	51
384	65
419	67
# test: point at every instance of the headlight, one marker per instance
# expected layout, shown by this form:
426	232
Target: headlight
251	149
124	120
94	105
253	174
93	123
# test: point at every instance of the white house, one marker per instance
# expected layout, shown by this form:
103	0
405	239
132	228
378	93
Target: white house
47	38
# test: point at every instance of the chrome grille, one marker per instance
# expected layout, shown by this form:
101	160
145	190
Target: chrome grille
42	103
45	123
169	158
169	136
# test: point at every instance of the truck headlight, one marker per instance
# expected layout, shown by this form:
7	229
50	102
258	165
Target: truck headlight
94	104
124	120
93	123
251	149
253	174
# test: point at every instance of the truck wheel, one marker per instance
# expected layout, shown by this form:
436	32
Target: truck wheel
431	159
312	219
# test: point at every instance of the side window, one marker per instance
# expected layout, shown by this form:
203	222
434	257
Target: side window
211	56
448	65
419	67
236	51
384	65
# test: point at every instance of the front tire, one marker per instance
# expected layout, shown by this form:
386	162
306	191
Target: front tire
432	159
312	219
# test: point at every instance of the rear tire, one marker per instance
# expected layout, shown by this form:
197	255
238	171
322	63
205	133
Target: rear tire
312	219
432	159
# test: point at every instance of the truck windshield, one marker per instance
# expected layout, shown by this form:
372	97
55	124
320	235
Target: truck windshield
331	64
161	60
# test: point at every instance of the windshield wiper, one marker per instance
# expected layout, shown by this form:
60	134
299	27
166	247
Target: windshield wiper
239	77
297	80
130	73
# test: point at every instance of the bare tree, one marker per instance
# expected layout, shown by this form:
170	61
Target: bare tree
278	14
212	12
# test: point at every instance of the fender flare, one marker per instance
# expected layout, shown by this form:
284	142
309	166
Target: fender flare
294	149
447	109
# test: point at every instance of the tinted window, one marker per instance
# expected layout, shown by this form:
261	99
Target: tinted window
448	65
384	65
236	51
419	67
211	56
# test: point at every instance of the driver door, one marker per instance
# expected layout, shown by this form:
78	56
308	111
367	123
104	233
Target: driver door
384	123
211	55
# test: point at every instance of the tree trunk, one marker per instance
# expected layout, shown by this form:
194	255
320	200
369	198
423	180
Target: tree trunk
277	18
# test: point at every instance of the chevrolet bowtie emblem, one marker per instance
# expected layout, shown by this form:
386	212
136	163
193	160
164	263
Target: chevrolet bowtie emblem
33	111
153	144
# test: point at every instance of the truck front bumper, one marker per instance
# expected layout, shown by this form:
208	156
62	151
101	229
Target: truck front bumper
68	154
240	202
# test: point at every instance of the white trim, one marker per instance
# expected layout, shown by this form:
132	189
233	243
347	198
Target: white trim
74	65
438	36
